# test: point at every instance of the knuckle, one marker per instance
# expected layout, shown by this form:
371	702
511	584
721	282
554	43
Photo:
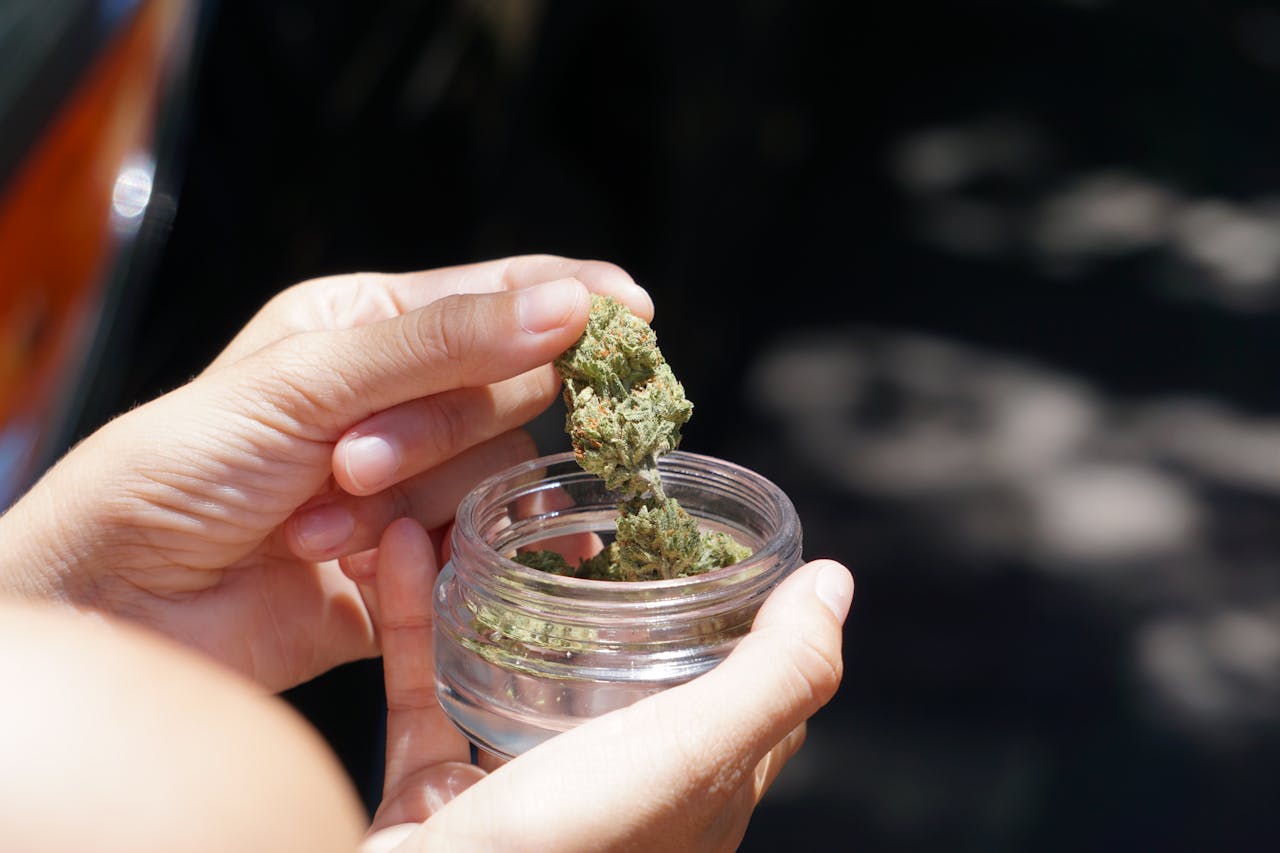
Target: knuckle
443	427
297	383
399	504
374	513
407	699
442	335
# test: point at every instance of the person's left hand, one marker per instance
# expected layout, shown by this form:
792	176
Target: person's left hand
217	512
681	770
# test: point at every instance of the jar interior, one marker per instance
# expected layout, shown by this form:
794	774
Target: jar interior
567	503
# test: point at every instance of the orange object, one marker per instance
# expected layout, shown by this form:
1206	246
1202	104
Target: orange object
56	234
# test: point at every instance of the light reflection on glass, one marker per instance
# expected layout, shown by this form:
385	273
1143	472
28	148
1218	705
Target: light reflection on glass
131	194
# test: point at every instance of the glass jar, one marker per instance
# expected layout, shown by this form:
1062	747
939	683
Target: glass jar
522	655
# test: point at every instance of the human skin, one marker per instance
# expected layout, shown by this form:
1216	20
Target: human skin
116	740
216	513
679	771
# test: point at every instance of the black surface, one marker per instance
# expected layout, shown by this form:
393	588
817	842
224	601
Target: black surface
46	46
1004	690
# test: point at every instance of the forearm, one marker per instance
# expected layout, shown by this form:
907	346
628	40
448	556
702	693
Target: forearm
122	741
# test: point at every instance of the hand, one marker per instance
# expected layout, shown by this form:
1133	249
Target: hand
681	770
211	513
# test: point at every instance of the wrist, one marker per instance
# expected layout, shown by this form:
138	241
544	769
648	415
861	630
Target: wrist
53	547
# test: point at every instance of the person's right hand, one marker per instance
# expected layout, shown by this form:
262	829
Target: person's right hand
678	771
217	512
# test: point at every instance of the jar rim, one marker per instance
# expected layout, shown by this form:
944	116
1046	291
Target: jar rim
775	545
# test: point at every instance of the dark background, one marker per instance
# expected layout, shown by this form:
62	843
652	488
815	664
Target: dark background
988	287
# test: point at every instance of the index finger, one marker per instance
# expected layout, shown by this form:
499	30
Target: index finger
346	301
523	271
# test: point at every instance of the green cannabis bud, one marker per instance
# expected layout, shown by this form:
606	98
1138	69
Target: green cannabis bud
625	405
625	410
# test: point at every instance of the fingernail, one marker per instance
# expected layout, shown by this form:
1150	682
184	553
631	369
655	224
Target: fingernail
324	528
834	586
640	296
544	307
371	462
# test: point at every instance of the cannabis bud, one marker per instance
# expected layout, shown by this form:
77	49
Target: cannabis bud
625	410
625	405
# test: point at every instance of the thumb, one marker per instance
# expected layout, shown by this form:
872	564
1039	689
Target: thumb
690	750
787	668
329	380
723	723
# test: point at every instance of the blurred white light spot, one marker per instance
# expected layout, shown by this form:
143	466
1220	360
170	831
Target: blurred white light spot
821	375
935	161
1038	425
1221	669
1104	513
1174	661
1238	246
1248	645
917	458
943	159
1214	442
132	190
1102	214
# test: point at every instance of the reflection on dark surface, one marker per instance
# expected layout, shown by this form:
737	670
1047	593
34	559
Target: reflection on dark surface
989	288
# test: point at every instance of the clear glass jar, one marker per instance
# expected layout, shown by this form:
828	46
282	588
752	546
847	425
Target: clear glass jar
522	655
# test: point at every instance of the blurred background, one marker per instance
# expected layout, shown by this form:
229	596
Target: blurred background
991	288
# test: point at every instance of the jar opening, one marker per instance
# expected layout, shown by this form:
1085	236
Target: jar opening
552	503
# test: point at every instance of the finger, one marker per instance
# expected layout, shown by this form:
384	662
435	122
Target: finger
574	547
418	435
443	536
419	735
780	674
314	386
346	301
527	270
338	524
362	565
